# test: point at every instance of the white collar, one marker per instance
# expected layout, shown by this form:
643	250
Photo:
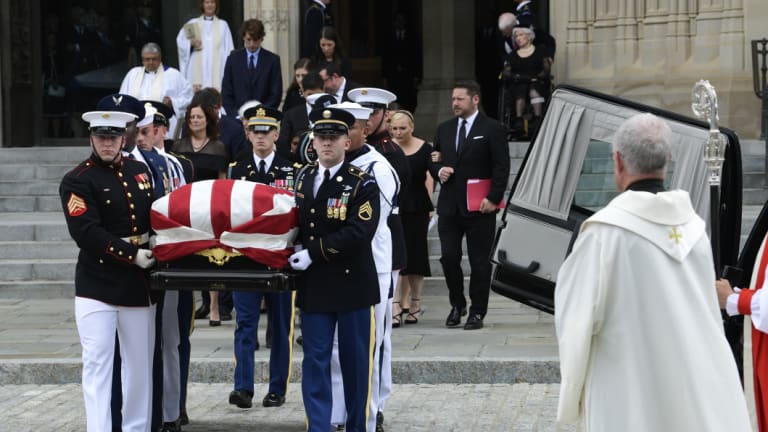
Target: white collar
267	160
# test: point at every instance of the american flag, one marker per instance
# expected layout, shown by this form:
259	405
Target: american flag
259	221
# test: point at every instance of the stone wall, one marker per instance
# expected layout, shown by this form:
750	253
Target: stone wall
653	51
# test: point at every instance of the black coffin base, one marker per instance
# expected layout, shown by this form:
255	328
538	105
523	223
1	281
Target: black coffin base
193	273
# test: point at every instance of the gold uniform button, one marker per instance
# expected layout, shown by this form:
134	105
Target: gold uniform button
130	257
101	261
346	271
125	184
311	237
133	217
129	195
135	229
311	224
109	201
112	249
132	206
119	174
312	211
120	253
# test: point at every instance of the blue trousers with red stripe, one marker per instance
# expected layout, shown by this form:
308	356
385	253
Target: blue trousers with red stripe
280	307
356	341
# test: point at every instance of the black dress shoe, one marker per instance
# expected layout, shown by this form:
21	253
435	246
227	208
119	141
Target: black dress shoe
379	421
474	322
171	426
184	418
454	318
300	340
202	312
241	398
273	400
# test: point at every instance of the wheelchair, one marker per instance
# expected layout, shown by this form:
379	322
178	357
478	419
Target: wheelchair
521	128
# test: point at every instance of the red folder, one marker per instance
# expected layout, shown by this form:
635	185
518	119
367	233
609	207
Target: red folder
477	189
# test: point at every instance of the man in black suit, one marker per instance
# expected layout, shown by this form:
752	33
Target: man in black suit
252	72
471	146
335	83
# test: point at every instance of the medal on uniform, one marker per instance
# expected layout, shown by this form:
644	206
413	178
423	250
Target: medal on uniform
336	211
329	209
343	209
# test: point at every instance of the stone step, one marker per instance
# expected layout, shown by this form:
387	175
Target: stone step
23	204
752	147
24	188
38	269
20	172
44	155
37	289
14	250
34	226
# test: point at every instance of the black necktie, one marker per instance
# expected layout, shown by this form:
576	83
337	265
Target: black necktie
252	63
262	169
462	136
326	177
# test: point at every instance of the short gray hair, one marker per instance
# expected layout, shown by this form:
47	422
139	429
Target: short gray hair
643	142
526	30
507	20
151	48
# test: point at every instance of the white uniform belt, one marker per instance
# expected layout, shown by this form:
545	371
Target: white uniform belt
137	240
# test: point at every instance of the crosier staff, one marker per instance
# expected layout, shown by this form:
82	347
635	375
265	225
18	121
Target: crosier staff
704	106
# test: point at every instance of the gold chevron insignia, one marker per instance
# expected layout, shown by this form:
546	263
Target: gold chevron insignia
366	211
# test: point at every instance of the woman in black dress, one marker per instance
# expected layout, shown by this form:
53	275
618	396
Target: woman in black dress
294	96
209	157
415	211
527	72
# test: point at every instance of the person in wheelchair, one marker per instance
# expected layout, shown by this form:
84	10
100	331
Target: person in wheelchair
526	76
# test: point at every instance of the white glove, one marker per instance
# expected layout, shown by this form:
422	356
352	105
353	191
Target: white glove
144	258
300	260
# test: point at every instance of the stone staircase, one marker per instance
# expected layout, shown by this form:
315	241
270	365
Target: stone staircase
37	255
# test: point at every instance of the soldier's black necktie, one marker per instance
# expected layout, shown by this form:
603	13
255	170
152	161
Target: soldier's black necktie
326	177
462	140
262	169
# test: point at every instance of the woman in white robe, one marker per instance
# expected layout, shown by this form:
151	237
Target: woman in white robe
204	43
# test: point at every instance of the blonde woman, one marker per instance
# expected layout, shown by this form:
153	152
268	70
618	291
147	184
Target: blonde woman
415	210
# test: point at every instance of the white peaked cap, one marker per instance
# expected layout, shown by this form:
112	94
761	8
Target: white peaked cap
360	112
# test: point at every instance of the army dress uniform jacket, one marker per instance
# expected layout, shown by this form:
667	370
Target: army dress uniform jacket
107	211
337	227
281	174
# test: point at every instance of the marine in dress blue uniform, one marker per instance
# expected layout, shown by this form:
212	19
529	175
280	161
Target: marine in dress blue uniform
264	166
106	201
338	215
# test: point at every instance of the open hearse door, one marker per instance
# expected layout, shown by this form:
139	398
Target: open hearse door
567	175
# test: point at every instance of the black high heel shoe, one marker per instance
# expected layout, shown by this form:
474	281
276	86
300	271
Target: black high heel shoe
214	323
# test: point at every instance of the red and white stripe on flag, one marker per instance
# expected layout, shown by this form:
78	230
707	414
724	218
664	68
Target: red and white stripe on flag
257	220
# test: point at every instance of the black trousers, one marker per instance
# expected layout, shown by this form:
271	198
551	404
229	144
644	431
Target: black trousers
479	231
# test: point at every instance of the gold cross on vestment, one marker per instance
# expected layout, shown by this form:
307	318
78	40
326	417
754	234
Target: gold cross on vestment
675	236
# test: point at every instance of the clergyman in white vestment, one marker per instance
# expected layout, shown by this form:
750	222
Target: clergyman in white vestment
641	341
156	82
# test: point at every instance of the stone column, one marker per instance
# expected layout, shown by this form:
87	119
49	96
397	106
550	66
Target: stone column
626	35
706	44
281	23
679	34
603	40
577	43
448	32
